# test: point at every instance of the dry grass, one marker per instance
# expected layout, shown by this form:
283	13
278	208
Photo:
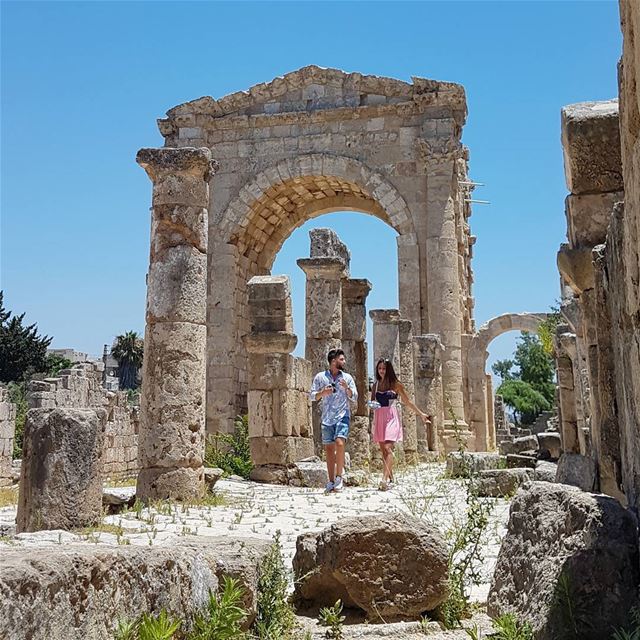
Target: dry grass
8	496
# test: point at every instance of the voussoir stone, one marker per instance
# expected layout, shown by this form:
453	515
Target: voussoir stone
79	592
61	476
391	566
561	540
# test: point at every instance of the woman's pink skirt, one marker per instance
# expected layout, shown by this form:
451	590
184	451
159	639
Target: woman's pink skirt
387	426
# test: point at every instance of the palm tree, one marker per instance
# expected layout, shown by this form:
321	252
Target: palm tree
128	350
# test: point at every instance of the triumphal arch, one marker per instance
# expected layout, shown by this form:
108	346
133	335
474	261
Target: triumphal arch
236	177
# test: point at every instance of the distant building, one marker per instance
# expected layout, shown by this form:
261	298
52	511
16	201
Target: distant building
70	354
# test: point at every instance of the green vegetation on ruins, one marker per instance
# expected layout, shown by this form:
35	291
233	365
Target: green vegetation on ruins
230	451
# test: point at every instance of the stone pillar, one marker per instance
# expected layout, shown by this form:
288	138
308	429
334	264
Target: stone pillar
409	419
172	420
323	318
409	286
386	336
7	434
491	422
565	352
354	333
279	407
61	475
427	350
445	311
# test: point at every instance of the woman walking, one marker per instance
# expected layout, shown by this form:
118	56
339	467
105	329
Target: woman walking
387	426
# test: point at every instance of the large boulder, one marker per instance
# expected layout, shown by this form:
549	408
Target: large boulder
577	470
391	566
61	478
568	555
458	463
501	483
80	591
545	471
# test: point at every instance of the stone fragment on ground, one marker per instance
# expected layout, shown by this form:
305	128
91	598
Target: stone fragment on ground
79	592
577	470
476	461
569	557
115	499
501	483
211	476
515	460
545	471
550	442
391	566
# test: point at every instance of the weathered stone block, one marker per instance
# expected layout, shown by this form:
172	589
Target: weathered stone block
563	541
550	441
61	477
475	461
591	145
291	413
173	400
260	408
545	471
500	483
95	585
171	483
515	461
177	286
577	470
281	450
392	566
588	217
268	371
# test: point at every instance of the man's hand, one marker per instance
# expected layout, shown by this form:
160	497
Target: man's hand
327	391
343	384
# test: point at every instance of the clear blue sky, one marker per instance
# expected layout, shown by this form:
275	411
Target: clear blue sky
83	84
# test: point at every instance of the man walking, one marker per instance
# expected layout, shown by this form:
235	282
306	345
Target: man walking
335	389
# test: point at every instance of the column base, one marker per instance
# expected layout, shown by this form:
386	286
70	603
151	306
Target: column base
170	483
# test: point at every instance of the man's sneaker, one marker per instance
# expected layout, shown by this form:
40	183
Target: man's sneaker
329	487
338	485
383	486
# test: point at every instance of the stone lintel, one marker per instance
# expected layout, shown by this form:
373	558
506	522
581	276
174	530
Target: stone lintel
355	290
270	342
385	316
576	267
169	160
268	288
322	268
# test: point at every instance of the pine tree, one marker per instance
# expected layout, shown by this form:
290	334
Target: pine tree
22	351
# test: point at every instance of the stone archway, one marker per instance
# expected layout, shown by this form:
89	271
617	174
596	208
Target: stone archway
480	393
320	140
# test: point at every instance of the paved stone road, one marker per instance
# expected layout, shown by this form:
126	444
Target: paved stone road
257	510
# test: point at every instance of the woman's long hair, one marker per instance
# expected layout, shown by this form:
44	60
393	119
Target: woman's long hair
390	374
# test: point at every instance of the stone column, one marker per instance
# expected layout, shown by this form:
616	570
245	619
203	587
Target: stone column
565	348
354	333
7	434
409	286
172	419
409	419
279	408
61	474
445	312
323	318
491	421
427	350
386	336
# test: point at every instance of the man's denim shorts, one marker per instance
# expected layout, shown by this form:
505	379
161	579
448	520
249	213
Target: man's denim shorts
332	431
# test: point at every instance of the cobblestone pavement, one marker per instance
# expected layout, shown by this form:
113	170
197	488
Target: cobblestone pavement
249	510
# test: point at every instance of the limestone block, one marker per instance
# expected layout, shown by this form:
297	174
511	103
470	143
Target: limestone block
521	460
577	470
268	371
268	288
173	225
591	146
173	399
61	477
177	286
551	442
575	266
501	483
588	217
95	585
326	244
359	441
558	534
545	471
291	413
324	309
316	351
260	409
280	450
346	561
475	461
171	483
269	342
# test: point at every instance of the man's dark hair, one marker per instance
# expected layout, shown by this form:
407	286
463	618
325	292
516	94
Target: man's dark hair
333	354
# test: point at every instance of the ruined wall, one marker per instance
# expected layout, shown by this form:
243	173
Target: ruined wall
81	388
7	433
623	260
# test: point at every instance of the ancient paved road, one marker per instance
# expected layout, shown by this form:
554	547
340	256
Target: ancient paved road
257	510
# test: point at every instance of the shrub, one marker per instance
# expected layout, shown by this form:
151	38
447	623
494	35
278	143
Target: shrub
230	451
224	615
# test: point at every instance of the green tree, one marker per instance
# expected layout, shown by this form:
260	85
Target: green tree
526	402
547	329
502	368
128	351
54	363
536	365
23	351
